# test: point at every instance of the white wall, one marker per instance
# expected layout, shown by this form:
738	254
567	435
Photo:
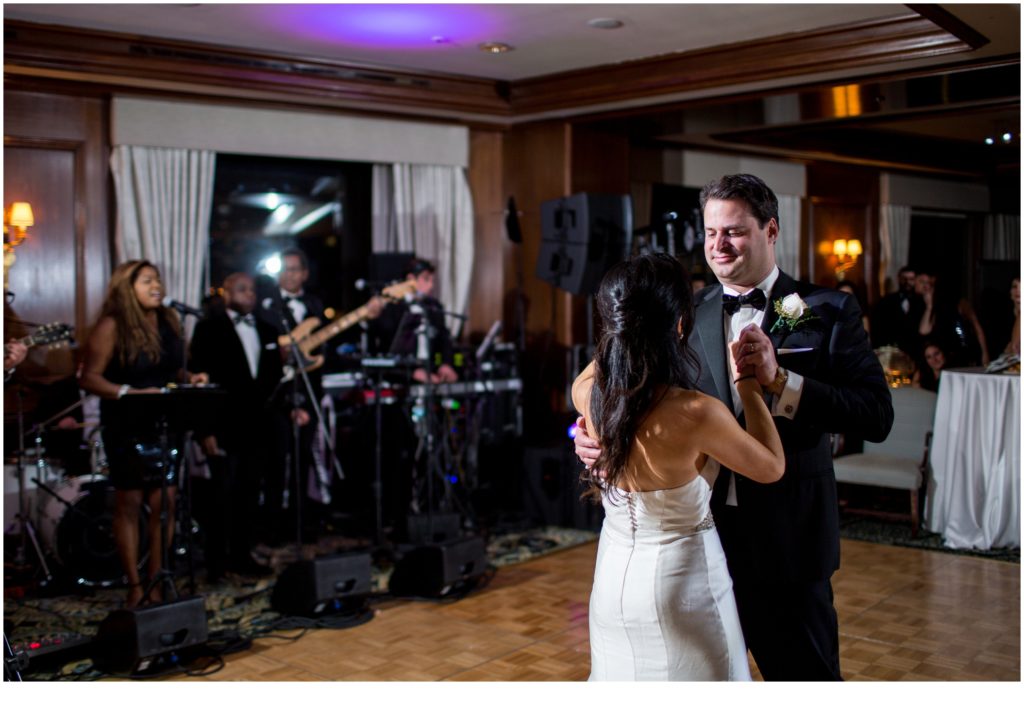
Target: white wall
282	132
700	167
931	193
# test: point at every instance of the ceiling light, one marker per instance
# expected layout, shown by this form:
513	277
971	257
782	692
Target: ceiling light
1007	136
989	140
604	23
495	47
438	39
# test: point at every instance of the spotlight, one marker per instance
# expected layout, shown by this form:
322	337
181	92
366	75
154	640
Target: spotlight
1006	137
271	265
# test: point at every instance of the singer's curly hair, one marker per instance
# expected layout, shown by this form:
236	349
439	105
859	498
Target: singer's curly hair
134	335
646	310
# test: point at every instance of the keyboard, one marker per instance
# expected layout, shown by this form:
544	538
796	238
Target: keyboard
467	389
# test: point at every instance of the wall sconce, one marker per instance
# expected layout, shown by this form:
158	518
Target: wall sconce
846	251
17	218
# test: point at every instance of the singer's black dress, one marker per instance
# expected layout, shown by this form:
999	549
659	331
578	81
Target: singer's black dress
131	434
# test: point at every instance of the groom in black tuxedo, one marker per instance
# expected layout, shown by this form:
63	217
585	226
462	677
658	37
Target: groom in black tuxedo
820	376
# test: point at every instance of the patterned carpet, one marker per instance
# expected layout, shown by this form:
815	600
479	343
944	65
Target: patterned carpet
893	533
237	608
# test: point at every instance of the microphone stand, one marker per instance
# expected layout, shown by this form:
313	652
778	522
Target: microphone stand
300	366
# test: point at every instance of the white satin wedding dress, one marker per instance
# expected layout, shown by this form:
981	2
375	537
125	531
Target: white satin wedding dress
662	606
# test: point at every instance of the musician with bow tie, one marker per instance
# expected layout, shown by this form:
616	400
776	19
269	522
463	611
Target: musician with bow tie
239	353
291	298
396	328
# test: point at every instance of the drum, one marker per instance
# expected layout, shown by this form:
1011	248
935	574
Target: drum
77	526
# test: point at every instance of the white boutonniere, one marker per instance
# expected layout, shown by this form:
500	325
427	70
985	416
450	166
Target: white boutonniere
792	312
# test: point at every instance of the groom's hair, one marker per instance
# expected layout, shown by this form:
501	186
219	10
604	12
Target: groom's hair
763	203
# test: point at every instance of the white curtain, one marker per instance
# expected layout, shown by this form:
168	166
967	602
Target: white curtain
787	246
427	209
894	236
1002	237
164	198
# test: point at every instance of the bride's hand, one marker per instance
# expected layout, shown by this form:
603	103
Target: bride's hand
587	449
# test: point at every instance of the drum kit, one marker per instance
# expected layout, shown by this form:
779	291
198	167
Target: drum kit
65	516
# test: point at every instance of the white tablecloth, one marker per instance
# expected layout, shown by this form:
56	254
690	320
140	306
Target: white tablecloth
974	494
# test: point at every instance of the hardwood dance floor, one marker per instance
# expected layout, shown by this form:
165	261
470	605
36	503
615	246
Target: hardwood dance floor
905	614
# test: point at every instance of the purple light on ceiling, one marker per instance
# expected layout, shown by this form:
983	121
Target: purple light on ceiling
385	26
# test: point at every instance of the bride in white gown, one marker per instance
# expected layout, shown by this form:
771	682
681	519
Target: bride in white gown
662	606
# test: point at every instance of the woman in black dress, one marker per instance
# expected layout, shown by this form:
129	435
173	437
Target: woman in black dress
135	348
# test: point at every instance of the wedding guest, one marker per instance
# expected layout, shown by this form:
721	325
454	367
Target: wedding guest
928	377
1013	347
136	347
951	321
895	317
781	540
851	289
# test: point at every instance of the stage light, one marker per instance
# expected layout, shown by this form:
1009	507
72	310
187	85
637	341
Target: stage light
271	265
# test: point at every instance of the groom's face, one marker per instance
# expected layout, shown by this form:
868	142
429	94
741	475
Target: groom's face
740	251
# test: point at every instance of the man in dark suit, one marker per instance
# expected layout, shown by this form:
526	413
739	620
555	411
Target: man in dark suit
896	316
808	348
239	352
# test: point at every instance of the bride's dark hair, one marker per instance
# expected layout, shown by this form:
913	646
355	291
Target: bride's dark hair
639	355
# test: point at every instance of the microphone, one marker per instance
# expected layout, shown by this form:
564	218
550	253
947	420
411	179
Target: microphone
181	307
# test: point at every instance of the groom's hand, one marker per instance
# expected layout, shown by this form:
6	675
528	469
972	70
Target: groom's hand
587	449
753	350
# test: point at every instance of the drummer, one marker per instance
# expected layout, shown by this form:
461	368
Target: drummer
136	347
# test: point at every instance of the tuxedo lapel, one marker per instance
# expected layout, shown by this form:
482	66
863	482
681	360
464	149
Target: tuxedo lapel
710	332
784	285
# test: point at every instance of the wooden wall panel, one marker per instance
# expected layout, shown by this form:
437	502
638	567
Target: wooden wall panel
55	156
491	245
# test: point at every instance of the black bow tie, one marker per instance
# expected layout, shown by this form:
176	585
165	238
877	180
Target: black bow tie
246	319
289	298
755	298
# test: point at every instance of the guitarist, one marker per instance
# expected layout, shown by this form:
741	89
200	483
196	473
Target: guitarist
291	298
14	353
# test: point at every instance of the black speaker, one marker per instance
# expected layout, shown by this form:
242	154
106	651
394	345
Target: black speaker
324	585
552	489
127	637
436	528
436	570
581	237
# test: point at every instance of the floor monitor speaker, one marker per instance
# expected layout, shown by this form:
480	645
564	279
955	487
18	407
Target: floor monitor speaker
127	638
438	569
325	585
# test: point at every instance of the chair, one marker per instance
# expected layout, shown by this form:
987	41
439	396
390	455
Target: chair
901	460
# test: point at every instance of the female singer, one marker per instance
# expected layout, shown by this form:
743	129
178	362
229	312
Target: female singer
135	348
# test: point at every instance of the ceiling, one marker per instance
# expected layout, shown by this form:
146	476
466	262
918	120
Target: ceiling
906	122
548	37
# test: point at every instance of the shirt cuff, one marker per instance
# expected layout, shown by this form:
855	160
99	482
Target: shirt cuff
787	403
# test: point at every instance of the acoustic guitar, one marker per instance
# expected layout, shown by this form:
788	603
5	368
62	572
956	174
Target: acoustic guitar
46	335
309	340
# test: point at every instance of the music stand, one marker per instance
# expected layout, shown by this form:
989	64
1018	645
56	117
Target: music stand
181	407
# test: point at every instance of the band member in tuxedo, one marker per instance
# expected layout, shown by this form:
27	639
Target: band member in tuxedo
240	354
292	301
808	349
397	328
136	347
291	298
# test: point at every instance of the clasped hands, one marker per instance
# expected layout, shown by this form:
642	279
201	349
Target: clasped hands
752	353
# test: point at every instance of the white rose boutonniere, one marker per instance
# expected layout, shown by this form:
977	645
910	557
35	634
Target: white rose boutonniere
792	312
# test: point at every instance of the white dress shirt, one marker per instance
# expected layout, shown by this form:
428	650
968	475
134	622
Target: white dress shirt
250	339
297	307
785	404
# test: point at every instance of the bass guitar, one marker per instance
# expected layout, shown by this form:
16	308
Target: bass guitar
308	339
46	335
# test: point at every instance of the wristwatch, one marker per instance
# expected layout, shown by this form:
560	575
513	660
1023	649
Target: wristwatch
779	383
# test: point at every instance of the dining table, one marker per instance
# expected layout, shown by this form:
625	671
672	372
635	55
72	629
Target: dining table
974	484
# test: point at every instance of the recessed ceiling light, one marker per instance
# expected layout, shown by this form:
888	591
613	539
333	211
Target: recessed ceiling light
495	47
989	140
604	23
438	39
